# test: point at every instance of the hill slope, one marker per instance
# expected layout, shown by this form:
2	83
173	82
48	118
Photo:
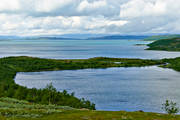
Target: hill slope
12	109
160	37
172	44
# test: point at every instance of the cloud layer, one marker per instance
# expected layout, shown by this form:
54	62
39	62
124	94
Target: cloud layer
47	17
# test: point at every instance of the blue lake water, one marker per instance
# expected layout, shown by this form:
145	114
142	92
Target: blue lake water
130	89
74	49
114	89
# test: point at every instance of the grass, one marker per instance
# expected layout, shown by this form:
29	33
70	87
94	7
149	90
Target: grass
109	115
12	109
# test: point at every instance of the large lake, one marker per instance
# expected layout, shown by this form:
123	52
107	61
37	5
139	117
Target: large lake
74	49
130	89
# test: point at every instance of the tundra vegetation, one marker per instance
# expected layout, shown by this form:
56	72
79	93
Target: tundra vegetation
15	98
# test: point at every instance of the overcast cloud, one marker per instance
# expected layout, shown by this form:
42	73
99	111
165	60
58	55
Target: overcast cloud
50	17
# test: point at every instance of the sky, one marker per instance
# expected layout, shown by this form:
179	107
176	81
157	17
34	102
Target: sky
55	17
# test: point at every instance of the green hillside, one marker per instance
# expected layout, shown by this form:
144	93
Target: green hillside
160	37
172	44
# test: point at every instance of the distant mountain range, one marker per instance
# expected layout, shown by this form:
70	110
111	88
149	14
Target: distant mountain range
8	37
77	37
81	36
119	37
90	37
96	38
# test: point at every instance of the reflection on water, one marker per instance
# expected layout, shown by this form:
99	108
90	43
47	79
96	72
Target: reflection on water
130	89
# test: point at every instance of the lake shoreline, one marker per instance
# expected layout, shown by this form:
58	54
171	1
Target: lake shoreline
9	66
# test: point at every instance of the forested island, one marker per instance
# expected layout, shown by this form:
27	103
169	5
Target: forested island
35	101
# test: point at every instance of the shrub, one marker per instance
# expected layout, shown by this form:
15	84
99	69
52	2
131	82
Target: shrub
170	107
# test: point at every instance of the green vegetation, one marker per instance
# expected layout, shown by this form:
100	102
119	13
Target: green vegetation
165	44
170	107
19	108
11	65
160	37
12	109
109	115
33	103
172	63
140	44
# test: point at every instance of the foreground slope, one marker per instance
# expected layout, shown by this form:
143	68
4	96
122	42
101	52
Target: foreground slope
12	109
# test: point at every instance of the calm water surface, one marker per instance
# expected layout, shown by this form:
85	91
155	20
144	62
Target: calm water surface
74	49
110	89
130	89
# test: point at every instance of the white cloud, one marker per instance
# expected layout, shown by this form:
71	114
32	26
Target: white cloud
9	5
50	5
33	17
85	5
139	8
93	8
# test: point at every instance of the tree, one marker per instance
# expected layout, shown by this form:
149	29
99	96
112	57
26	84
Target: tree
20	93
51	91
170	107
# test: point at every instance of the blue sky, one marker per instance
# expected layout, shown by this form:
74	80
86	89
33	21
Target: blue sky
54	17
